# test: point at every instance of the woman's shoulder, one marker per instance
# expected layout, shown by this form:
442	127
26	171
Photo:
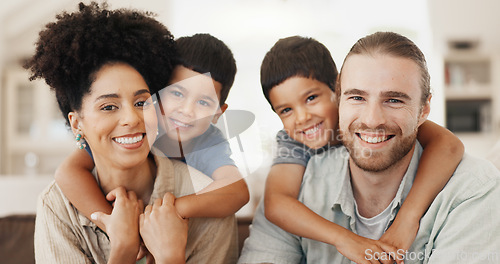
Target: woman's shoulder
52	201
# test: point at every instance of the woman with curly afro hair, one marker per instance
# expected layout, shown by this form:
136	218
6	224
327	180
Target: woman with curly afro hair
105	67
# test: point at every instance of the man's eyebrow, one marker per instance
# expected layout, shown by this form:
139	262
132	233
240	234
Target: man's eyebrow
355	92
395	94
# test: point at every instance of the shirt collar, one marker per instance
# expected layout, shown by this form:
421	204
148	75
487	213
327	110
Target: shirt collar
344	201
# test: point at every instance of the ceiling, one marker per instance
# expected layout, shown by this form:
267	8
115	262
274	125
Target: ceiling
450	20
466	20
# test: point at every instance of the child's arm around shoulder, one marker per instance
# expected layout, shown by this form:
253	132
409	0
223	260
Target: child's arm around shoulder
442	153
223	197
74	177
284	210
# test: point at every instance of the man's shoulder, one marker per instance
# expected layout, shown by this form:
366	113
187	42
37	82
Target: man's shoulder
473	178
476	173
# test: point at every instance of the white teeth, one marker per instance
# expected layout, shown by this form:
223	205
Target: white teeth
373	140
312	130
180	123
128	140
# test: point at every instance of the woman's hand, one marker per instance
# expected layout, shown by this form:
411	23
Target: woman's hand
122	225
163	231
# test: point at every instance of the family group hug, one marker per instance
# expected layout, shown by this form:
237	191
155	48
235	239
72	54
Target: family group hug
359	174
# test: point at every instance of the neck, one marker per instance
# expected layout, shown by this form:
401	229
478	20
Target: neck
139	178
374	191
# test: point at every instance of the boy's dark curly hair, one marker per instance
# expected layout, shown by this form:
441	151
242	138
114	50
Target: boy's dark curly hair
204	53
297	56
71	50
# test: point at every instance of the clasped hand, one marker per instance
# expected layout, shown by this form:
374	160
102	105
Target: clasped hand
162	229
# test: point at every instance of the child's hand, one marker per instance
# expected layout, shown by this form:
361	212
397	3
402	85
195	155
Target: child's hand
401	234
122	225
364	250
164	231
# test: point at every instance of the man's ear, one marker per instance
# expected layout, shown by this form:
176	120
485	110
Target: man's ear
74	122
221	111
426	109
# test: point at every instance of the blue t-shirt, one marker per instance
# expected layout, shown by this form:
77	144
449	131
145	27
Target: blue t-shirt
208	152
289	150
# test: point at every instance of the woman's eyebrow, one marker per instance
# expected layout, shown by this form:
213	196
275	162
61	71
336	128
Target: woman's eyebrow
142	91
105	96
113	95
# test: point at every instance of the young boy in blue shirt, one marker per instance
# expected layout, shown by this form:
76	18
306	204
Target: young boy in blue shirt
298	77
200	82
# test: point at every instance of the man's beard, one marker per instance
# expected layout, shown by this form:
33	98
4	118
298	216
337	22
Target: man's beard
375	161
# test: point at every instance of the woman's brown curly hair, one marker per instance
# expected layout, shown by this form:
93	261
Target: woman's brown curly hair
71	50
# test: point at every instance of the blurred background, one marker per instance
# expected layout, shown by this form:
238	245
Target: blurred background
460	38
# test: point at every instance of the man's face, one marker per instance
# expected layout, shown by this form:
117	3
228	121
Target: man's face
380	109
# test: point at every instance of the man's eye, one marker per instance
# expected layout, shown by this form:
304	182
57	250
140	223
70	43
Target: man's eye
394	101
311	97
356	98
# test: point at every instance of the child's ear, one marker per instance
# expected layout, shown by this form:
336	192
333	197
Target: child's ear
221	111
74	122
426	109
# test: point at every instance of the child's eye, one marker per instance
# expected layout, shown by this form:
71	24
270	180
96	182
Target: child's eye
311	97
109	108
204	103
176	93
285	110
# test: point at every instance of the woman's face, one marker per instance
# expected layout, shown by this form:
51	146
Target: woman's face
117	118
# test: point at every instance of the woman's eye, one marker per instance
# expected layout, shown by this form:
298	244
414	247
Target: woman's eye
143	103
109	108
311	97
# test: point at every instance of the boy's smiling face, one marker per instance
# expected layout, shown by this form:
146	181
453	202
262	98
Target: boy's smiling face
190	103
308	110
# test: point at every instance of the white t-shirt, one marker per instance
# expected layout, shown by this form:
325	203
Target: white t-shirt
374	227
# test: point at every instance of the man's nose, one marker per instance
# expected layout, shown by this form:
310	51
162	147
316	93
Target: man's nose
373	115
